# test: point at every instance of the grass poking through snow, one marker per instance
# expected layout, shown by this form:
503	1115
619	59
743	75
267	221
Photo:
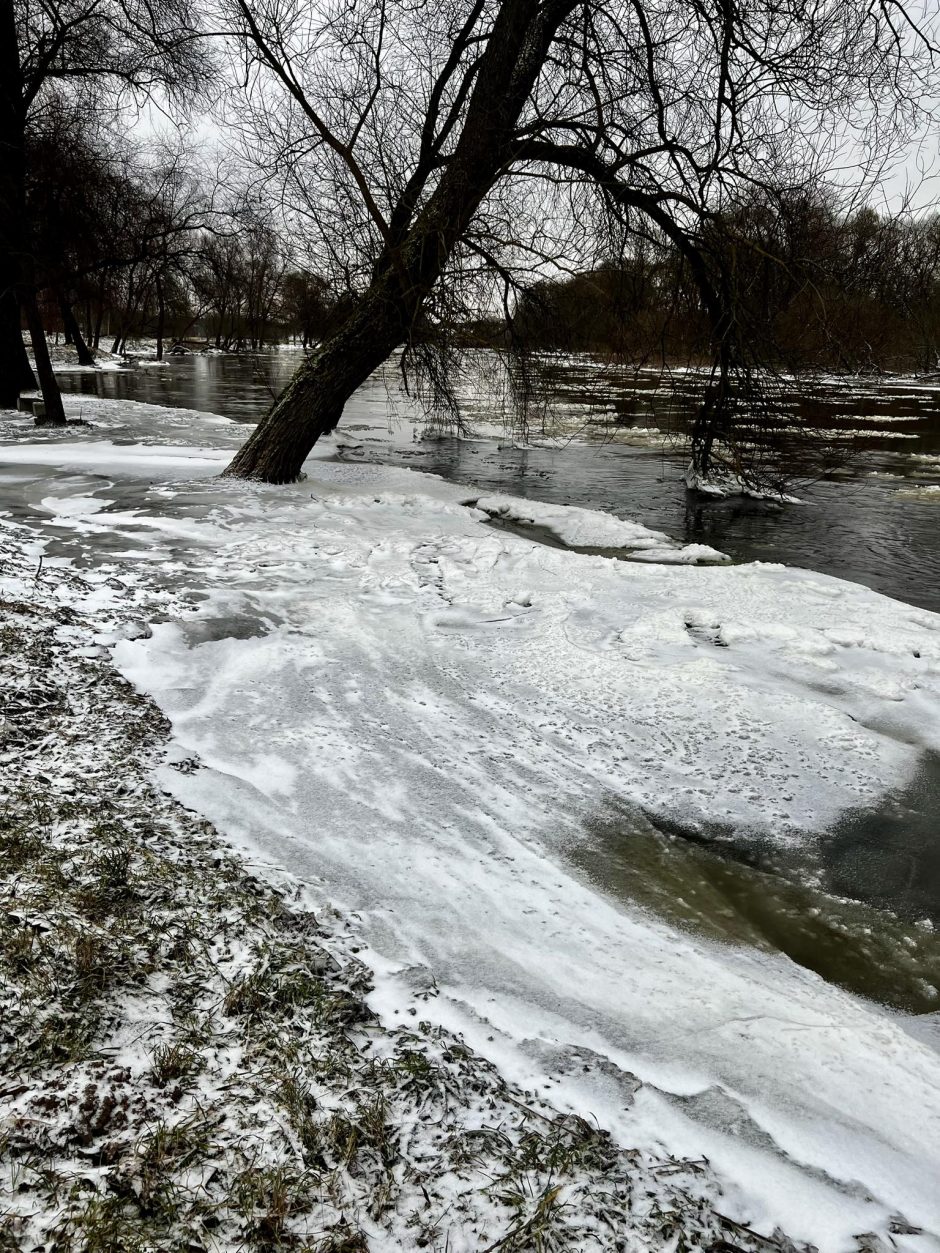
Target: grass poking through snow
188	1059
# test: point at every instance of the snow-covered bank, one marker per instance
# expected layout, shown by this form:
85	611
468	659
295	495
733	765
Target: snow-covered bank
64	360
418	715
186	1057
586	528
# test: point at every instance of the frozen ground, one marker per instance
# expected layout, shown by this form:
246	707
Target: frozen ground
186	1058
421	716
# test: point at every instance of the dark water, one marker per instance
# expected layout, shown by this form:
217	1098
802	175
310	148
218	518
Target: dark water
236	387
858	906
854	529
856	524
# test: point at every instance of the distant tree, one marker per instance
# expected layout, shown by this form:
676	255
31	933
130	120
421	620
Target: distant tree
115	228
64	173
158	237
640	306
239	280
219	280
264	266
307	303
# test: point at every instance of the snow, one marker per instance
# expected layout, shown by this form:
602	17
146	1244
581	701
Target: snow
879	417
422	716
588	528
839	432
722	483
924	491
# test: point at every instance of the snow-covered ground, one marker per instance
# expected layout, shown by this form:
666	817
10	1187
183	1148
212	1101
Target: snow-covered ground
421	715
65	360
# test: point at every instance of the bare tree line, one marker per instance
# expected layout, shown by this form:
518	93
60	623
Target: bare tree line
817	288
433	163
129	243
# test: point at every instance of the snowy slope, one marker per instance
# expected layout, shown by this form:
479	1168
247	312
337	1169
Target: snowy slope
420	714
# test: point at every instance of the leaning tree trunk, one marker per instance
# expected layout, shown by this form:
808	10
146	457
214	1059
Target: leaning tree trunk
416	248
312	403
52	397
73	334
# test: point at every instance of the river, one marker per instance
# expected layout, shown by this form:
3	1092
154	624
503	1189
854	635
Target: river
861	520
860	906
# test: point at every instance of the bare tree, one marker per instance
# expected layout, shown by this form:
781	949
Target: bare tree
99	52
434	149
308	306
239	277
157	215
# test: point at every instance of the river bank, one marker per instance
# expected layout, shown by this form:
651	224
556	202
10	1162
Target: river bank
188	1056
871	521
418	717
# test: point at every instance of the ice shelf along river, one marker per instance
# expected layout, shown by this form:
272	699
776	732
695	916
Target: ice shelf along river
649	818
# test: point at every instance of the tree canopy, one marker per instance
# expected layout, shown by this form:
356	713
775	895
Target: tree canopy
438	155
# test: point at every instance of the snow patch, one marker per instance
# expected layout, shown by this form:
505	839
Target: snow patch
722	483
589	528
422	715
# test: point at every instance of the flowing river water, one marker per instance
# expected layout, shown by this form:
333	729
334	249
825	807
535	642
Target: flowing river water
862	906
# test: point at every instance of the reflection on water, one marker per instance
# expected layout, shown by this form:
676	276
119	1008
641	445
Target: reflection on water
855	529
855	526
236	387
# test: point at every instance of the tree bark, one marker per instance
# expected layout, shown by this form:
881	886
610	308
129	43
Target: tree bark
17	273
415	253
312	403
16	374
52	397
161	319
73	334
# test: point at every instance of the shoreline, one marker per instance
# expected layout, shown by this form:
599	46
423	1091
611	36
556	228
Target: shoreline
452	878
188	1058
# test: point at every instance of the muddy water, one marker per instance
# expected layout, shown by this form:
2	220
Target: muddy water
723	890
861	906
